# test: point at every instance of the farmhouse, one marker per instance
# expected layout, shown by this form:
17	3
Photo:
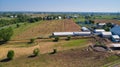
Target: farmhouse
115	38
106	34
116	30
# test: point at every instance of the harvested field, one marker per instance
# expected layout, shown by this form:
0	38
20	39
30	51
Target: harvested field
45	28
106	21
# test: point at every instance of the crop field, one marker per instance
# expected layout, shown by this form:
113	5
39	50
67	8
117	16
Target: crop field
45	28
107	21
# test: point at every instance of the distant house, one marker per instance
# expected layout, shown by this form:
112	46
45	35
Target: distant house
106	34
116	30
59	17
100	25
115	38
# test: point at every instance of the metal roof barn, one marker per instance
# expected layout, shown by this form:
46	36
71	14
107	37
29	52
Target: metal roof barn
62	34
115	38
85	29
116	30
82	33
115	45
99	30
106	34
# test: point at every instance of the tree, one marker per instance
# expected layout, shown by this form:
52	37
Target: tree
36	52
6	33
10	54
68	37
17	25
56	38
32	40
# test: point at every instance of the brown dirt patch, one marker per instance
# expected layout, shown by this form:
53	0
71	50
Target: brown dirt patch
107	21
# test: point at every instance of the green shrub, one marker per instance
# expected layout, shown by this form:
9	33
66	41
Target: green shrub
36	52
68	37
32	40
56	38
10	54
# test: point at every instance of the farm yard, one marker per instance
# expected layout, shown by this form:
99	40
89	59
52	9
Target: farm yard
78	50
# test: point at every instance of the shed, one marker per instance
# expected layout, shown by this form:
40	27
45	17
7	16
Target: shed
85	29
115	38
106	34
98	31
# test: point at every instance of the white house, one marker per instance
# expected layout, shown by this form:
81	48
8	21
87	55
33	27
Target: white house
98	31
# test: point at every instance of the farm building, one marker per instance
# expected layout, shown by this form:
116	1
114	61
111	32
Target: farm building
115	45
115	38
62	34
116	30
106	34
99	25
85	29
82	33
98	31
71	33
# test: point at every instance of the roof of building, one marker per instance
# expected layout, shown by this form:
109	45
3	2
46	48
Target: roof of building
106	33
62	33
116	30
102	24
115	36
85	28
115	45
99	30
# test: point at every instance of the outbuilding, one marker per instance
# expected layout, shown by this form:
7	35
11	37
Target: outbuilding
116	30
85	29
62	34
98	31
82	33
106	34
115	38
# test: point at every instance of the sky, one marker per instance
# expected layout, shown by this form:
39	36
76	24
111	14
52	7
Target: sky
61	5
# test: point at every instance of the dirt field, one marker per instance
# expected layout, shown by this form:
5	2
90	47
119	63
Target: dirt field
67	58
106	21
45	28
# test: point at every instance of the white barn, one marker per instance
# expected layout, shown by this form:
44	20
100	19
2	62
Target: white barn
85	29
106	34
62	34
82	33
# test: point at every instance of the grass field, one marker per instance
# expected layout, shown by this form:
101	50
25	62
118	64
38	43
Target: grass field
45	28
107	21
67	58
